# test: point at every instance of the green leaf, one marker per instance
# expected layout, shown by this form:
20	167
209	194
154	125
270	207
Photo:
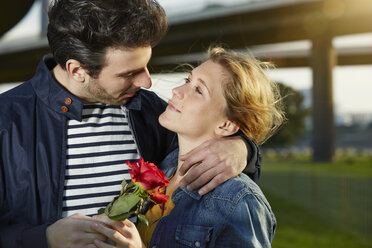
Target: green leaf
124	186
131	184
101	210
109	206
120	216
142	218
124	204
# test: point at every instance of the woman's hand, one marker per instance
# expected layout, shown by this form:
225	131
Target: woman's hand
123	233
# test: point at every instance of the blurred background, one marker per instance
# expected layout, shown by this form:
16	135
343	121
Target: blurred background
317	170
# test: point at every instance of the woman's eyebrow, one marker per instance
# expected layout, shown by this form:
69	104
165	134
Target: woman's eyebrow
202	82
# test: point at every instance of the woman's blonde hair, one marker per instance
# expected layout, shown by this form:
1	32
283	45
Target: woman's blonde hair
253	100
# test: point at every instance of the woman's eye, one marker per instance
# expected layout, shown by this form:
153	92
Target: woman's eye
197	89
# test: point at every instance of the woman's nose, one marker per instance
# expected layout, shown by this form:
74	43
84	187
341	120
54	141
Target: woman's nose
177	92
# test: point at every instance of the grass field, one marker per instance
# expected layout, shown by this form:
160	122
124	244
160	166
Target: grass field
320	204
345	165
298	228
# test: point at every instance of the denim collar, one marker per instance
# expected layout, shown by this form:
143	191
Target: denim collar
178	194
56	97
180	191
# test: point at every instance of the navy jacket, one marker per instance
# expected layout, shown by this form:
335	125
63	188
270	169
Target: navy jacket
33	139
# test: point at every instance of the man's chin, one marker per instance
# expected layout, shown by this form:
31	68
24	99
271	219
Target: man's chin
125	98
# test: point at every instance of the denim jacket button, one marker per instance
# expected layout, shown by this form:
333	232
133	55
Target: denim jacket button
197	244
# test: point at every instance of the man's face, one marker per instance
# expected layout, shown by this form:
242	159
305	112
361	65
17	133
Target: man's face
124	72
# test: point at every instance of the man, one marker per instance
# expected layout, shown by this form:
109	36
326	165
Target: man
66	133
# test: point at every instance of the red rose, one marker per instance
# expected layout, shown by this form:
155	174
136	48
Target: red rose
158	197
146	175
147	180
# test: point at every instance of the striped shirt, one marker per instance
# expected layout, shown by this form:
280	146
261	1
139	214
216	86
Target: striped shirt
97	148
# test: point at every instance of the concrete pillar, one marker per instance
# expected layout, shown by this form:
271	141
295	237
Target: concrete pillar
44	17
323	60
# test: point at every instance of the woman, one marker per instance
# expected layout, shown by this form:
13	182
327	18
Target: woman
226	94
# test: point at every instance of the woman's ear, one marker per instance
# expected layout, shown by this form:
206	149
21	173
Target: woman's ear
226	128
75	70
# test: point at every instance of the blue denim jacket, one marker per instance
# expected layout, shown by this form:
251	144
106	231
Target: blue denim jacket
235	214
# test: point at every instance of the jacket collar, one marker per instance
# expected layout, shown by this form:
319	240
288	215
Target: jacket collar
180	191
52	93
135	102
58	98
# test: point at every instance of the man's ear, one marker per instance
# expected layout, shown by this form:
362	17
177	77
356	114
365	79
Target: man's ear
226	128
75	70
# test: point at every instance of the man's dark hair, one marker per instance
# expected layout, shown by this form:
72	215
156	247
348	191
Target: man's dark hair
84	29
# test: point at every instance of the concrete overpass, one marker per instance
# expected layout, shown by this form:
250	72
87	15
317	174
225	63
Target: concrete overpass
12	12
265	22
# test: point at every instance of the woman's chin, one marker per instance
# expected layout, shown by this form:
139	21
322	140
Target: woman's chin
163	120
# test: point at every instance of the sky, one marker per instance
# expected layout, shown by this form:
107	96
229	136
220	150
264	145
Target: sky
352	84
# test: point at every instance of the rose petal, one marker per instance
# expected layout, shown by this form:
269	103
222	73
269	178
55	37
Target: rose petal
158	197
147	175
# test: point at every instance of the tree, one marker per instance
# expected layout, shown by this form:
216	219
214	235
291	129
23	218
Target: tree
295	113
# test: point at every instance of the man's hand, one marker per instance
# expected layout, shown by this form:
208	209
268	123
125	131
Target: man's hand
73	231
213	162
123	233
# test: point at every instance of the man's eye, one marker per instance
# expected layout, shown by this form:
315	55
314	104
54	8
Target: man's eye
186	80
129	75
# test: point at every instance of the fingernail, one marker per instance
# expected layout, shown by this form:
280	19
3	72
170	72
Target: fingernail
201	192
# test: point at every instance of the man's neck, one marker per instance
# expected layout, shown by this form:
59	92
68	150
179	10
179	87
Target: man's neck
62	77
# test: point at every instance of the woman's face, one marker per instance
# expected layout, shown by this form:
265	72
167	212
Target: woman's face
198	106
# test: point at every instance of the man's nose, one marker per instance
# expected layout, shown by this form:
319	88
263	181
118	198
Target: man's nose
143	79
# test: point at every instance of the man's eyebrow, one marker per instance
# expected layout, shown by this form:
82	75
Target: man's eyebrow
130	73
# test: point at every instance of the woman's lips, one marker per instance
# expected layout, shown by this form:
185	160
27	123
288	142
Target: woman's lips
172	107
